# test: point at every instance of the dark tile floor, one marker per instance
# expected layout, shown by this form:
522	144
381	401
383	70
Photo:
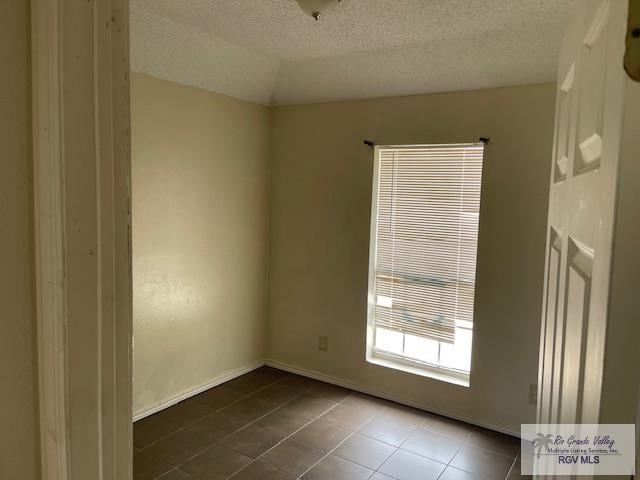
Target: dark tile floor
271	425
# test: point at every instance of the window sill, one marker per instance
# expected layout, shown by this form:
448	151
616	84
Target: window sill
425	371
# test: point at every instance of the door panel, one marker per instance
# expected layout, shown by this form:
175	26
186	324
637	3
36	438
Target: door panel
564	130
578	296
551	301
581	208
593	76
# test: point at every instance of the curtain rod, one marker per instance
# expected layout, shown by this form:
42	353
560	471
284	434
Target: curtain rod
371	143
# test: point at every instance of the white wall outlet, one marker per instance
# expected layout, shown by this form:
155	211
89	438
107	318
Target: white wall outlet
323	343
533	394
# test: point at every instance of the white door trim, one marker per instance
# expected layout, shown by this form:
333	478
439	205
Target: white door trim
49	238
81	155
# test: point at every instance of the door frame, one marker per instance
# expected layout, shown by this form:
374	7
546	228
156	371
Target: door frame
81	162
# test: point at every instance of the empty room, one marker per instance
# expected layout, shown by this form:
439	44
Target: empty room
320	239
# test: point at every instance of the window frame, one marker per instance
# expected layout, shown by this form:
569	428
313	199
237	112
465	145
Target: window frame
387	359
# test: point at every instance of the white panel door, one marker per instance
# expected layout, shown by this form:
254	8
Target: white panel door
581	210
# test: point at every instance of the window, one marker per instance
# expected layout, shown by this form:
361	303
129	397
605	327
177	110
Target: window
424	235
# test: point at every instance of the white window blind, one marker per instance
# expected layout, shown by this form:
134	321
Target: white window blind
423	253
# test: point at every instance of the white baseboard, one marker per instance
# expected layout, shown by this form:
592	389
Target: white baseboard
195	391
508	429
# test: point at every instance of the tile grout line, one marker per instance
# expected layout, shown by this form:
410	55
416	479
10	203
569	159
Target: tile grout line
354	432
177	467
515	460
415	428
218	410
398	447
351	435
357	432
462	444
364	466
250	423
330	452
288	436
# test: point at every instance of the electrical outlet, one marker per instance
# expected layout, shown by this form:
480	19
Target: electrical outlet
323	344
533	394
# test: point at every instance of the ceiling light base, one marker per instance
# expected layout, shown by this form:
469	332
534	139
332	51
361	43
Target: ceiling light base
317	8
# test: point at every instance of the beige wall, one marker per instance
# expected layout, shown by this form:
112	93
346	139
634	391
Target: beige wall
200	208
321	194
18	397
201	221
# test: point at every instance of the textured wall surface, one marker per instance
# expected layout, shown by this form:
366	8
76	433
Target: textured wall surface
272	53
321	199
18	395
200	223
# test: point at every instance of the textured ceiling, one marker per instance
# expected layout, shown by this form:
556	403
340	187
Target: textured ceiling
270	52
